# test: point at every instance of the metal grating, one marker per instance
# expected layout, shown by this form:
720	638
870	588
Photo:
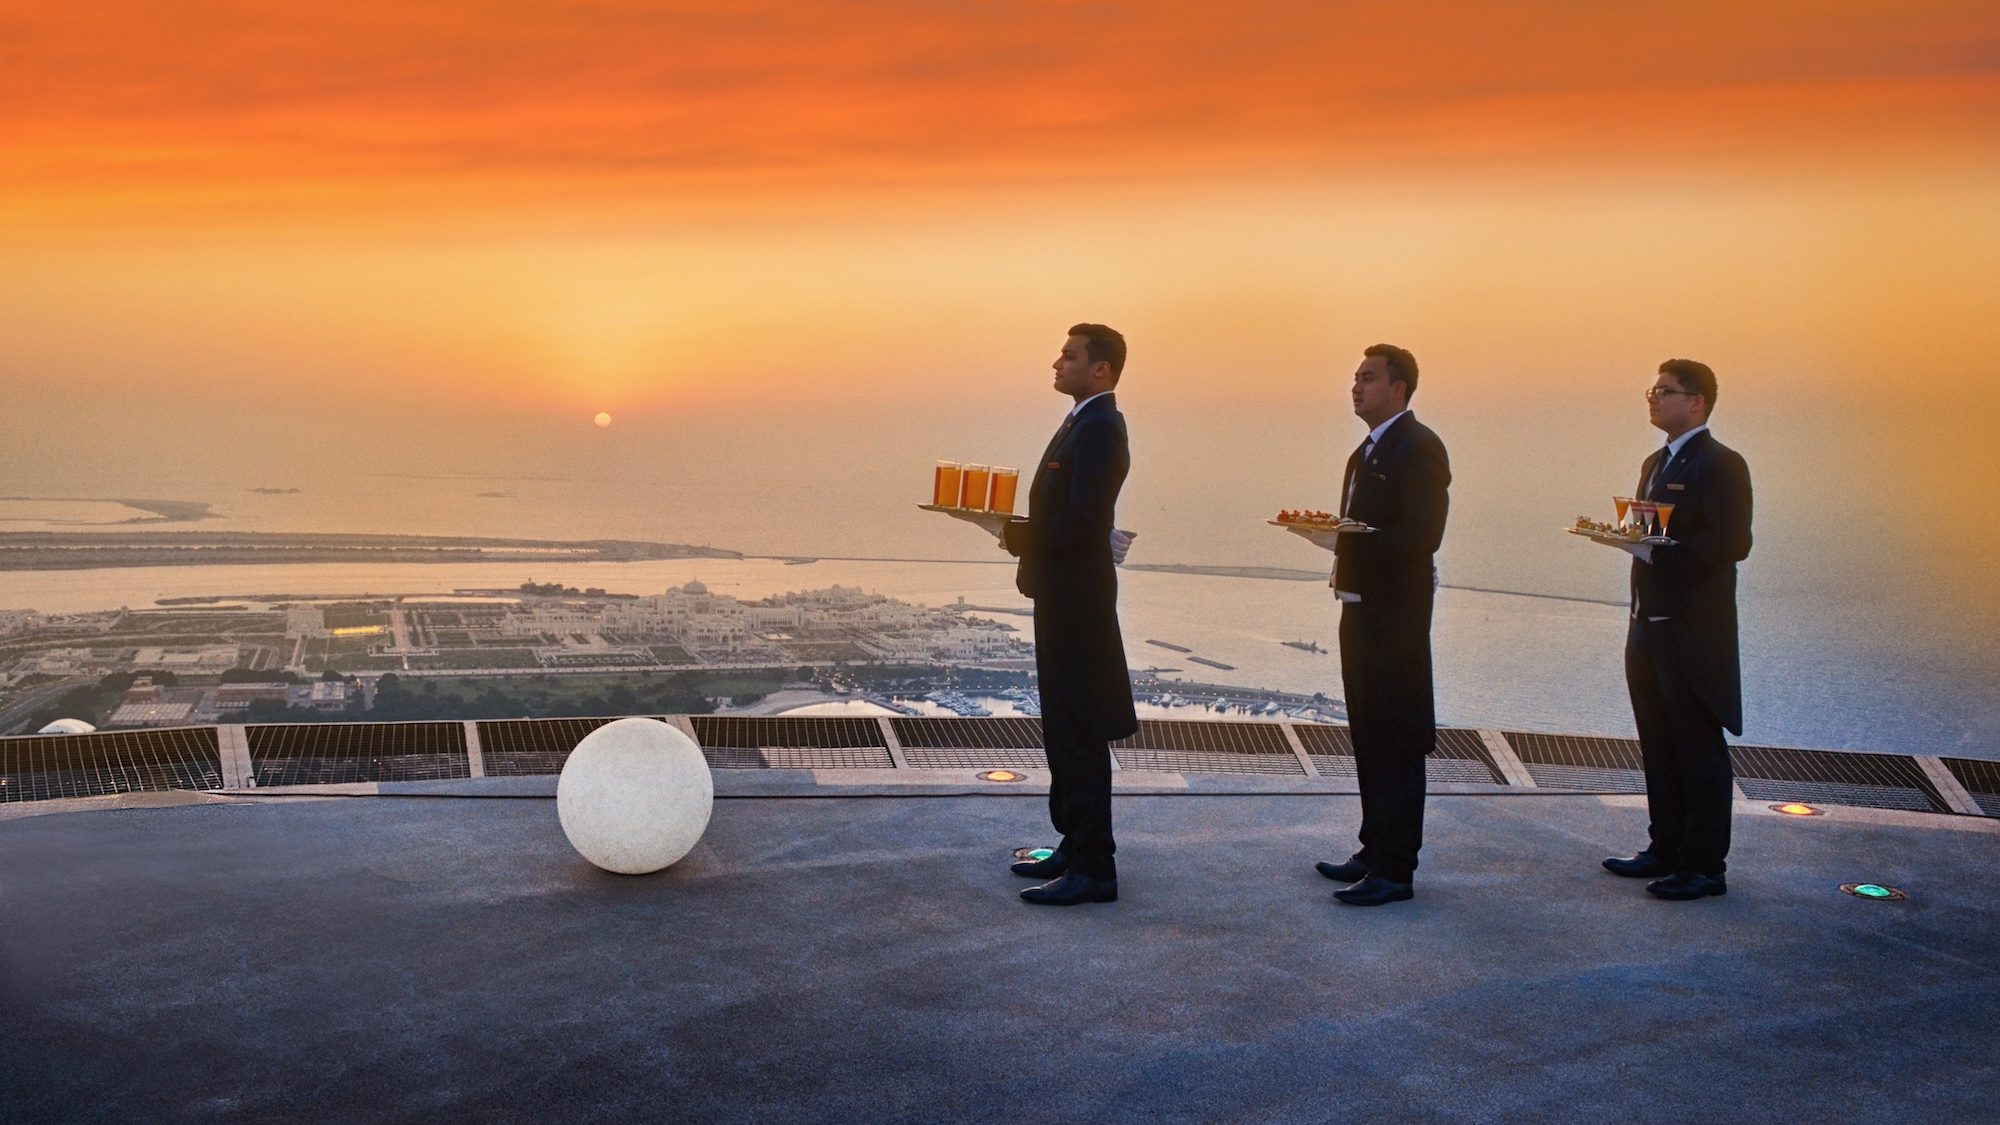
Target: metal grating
91	765
1887	781
1825	793
1323	740
797	733
1460	756
1587	780
1196	761
733	742
316	754
800	758
967	734
1981	780
1198	737
1596	765
955	758
1463	771
1576	752
520	747
1195	746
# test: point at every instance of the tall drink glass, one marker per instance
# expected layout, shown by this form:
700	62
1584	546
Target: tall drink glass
972	488
1665	512
1005	481
944	489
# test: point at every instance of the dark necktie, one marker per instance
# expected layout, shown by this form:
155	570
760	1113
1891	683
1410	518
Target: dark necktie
1659	472
1055	442
1354	465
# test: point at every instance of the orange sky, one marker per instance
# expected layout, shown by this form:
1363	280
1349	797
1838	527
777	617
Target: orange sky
135	114
544	210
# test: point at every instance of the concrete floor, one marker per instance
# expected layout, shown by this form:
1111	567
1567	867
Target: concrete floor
821	957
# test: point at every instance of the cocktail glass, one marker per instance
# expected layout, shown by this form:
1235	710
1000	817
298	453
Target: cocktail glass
1005	483
972	488
1665	512
1642	516
1624	504
944	488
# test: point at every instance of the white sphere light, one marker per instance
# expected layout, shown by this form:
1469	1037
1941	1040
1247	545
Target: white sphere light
68	726
634	796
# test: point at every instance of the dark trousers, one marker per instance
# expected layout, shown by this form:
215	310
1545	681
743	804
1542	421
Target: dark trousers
1080	793
1688	779
1385	668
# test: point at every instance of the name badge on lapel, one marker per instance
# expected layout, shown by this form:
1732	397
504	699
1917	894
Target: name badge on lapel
1677	488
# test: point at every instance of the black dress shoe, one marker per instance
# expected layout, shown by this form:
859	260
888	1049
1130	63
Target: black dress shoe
1072	888
1049	868
1645	865
1353	871
1684	885
1374	891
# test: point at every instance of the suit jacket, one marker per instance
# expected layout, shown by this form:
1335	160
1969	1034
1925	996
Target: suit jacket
1693	581
1401	493
1065	550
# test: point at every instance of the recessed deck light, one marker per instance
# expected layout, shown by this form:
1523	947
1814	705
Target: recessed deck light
1033	855
1002	775
1793	808
1875	891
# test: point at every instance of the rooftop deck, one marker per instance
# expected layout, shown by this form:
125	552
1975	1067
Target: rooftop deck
845	944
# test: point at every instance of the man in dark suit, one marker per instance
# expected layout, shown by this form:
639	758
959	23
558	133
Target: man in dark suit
1385	578
1681	662
1066	551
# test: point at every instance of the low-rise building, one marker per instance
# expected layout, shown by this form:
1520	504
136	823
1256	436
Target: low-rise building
17	621
238	697
307	621
195	659
326	695
156	714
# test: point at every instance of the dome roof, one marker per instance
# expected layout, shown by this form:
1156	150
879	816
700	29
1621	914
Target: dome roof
68	726
694	586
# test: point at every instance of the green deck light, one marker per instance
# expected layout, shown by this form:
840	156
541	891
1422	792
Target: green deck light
1033	855
1874	891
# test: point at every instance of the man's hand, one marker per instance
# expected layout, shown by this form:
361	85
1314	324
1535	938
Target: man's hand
1641	551
1321	538
989	522
1121	542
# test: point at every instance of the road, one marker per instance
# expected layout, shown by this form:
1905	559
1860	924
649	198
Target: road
34	699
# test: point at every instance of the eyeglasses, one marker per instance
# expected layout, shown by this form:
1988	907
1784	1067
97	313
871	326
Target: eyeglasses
1653	393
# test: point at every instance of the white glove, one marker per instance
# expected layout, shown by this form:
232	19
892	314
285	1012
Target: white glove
1324	540
988	522
1121	542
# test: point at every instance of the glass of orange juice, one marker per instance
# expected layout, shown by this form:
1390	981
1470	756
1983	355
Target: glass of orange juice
1005	481
1623	504
972	488
1665	512
944	489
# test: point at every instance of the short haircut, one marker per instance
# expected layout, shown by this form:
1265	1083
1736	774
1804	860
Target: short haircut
1105	346
1402	365
1693	377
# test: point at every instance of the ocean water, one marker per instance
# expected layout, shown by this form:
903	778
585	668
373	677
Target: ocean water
1868	617
1510	661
